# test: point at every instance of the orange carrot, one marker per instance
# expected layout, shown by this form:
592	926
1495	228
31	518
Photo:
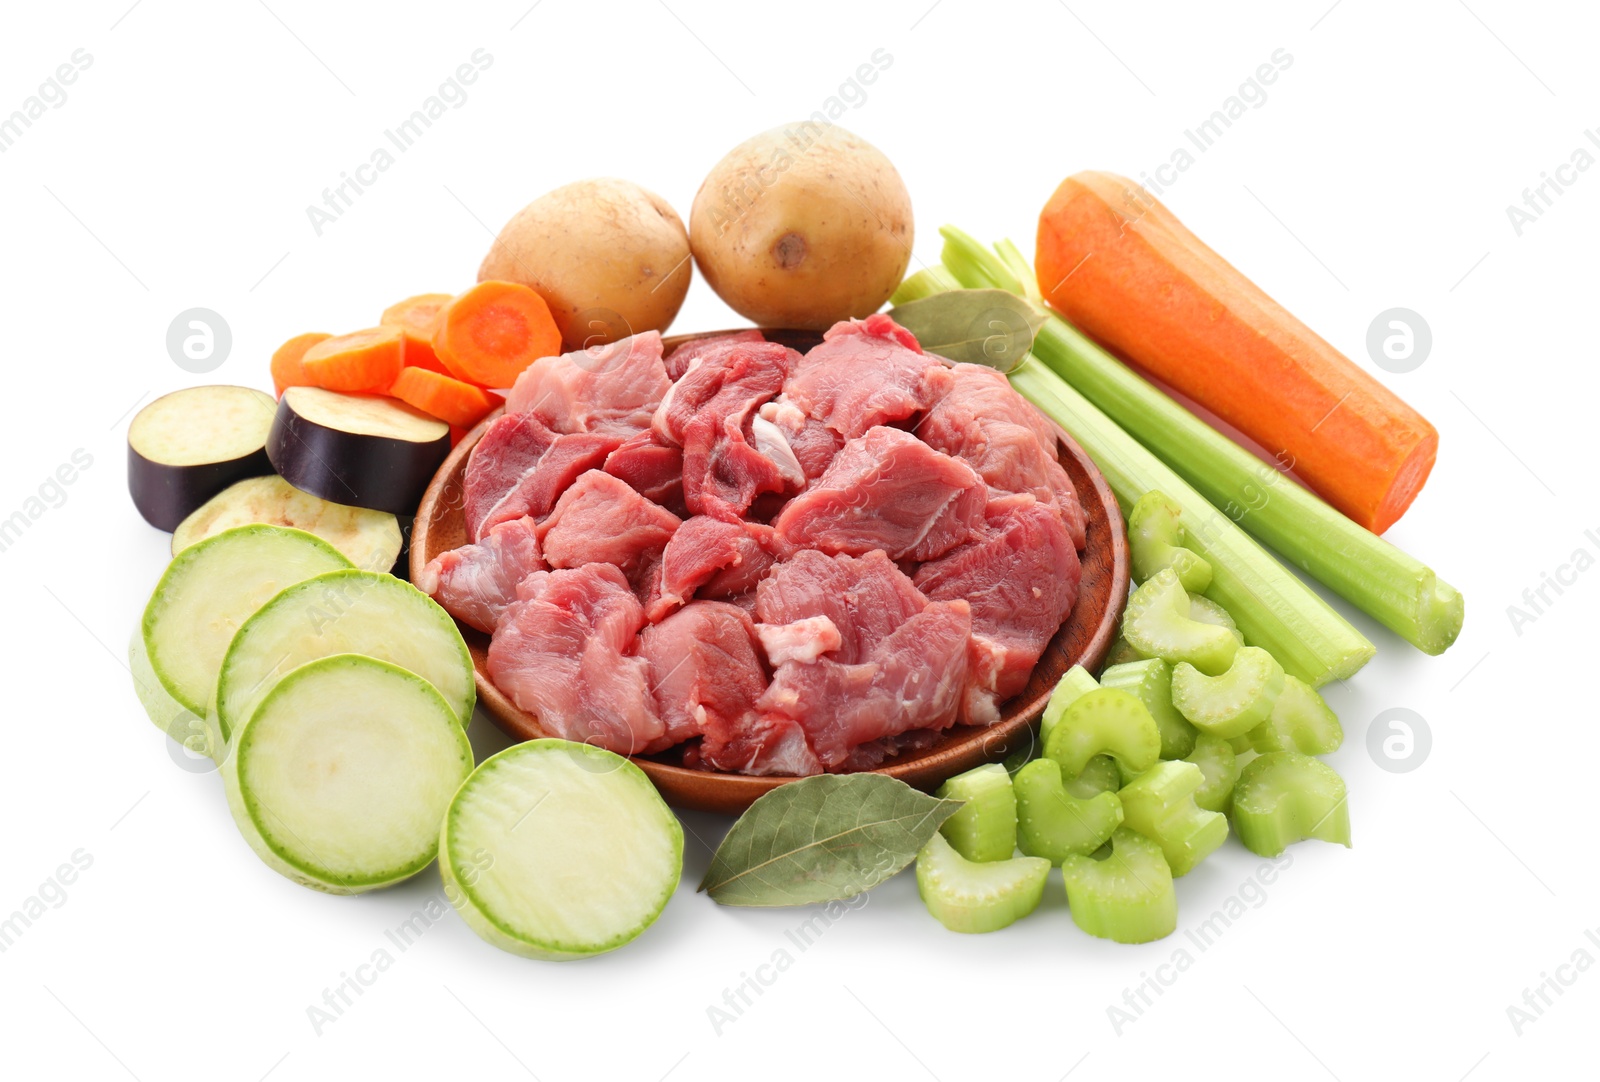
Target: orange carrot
493	331
1121	267
452	401
417	317
286	370
361	361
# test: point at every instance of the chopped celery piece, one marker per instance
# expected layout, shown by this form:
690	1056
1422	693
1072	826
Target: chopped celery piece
1150	681
985	826
1054	824
924	283
1104	721
1219	769
1121	653
1155	542
969	896
1206	611
1158	624
1127	897
1300	721
1099	775
1231	704
1160	805
1074	683
1284	797
1397	590
1021	757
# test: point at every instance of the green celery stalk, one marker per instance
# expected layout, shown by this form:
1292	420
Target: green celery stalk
1392	587
1274	610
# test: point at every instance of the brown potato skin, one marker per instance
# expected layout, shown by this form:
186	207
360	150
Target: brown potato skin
802	226
609	257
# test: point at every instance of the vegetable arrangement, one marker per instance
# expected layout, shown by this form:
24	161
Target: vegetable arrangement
335	696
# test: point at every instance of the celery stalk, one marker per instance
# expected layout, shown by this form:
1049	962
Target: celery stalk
1274	610
1392	587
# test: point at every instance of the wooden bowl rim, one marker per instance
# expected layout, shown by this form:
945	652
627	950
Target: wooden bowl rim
732	793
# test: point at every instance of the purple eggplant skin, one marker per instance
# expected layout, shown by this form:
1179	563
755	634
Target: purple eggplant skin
166	495
378	472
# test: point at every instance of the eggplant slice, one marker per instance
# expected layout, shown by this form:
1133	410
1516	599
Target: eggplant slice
359	450
187	446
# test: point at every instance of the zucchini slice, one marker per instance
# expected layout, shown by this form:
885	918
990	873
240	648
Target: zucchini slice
558	850
369	539
356	449
343	775
187	446
210	589
343	612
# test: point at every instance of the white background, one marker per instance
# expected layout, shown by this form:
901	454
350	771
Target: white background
1376	174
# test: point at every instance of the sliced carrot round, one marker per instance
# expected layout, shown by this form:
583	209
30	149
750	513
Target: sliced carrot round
286	370
459	404
493	331
418	317
362	361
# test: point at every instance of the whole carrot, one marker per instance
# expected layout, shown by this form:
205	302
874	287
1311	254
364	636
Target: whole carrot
1121	267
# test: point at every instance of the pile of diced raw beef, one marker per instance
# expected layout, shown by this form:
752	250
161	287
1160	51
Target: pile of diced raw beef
785	563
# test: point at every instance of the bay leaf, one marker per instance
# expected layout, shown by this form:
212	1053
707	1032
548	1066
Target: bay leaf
993	327
823	838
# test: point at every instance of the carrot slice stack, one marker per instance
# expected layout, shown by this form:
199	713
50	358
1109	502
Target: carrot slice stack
361	361
493	331
418	317
286	368
459	404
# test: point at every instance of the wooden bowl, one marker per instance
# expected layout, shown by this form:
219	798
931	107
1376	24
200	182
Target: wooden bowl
1082	640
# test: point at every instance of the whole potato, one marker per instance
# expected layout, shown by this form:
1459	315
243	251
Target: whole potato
802	226
610	259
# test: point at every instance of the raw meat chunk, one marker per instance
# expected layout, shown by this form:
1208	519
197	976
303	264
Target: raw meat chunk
651	467
706	676
601	520
866	373
710	413
1020	575
679	360
812	443
725	558
564	652
866	597
475	583
520	467
887	490
803	640
985	423
913	680
612	388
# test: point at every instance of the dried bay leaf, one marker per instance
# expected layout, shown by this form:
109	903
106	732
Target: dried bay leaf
992	327
823	838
